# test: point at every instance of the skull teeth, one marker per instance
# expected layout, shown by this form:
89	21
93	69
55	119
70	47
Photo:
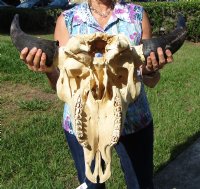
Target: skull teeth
77	110
118	114
78	116
117	103
78	105
79	134
77	120
78	123
118	109
117	121
85	144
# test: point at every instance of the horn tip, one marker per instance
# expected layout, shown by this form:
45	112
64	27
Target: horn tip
181	21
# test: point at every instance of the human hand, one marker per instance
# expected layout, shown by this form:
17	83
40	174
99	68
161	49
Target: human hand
152	65
35	60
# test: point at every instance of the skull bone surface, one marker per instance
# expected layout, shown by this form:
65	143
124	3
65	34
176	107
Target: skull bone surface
98	81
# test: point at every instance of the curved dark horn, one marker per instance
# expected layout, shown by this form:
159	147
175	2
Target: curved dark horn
172	41
22	40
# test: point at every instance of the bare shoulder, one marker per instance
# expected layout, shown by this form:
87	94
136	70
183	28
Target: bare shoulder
146	26
61	33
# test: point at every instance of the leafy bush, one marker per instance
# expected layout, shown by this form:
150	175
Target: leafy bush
163	16
31	20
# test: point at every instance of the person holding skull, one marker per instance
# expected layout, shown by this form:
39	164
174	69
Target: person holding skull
135	146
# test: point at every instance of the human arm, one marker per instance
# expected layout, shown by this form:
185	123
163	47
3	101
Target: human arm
149	71
35	59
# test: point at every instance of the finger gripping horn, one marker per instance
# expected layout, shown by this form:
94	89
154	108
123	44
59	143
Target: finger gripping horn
22	40
172	41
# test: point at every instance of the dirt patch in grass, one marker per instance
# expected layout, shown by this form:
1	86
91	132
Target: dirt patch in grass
11	94
19	91
195	44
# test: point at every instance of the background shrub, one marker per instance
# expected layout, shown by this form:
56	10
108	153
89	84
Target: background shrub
31	20
163	16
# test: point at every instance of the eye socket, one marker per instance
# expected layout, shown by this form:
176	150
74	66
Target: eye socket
121	72
122	76
98	46
118	77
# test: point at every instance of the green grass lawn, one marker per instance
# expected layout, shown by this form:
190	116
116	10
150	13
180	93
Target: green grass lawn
34	153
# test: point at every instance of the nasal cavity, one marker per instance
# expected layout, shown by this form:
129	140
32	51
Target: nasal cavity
98	46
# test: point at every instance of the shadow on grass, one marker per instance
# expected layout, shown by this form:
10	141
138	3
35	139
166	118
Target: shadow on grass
179	149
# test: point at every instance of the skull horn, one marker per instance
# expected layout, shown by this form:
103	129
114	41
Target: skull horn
22	40
172	41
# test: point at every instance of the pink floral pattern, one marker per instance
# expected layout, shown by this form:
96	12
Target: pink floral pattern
126	19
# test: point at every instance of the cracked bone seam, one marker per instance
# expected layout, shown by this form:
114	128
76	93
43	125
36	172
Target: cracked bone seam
98	81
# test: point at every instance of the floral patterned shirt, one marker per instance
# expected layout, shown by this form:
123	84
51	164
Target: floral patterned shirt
127	19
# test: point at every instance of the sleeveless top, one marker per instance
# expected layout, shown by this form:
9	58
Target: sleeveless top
127	19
